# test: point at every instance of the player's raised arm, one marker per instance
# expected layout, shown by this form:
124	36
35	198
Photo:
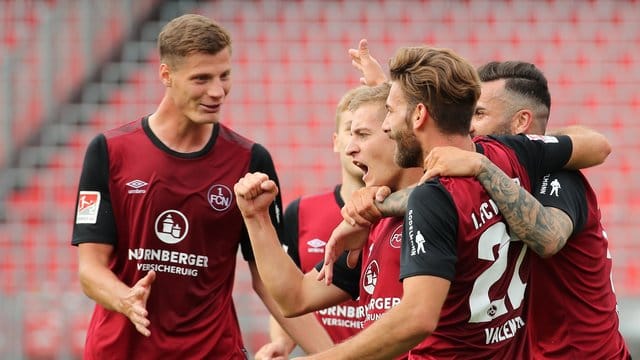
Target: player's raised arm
361	59
296	293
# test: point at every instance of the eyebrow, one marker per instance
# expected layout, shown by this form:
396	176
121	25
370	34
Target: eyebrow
200	75
358	128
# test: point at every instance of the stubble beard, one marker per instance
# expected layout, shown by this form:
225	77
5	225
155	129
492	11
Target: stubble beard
408	150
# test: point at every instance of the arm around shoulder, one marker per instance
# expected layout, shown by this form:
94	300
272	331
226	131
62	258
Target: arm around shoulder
590	148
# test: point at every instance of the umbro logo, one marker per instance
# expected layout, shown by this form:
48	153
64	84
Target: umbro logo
135	187
316	246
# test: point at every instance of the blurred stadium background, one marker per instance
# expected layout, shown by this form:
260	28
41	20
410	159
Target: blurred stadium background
71	68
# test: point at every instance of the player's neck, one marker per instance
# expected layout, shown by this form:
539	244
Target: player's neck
349	185
463	142
410	177
179	133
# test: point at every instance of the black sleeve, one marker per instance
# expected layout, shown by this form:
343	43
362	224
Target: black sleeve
429	245
290	234
345	278
89	226
565	190
261	161
539	154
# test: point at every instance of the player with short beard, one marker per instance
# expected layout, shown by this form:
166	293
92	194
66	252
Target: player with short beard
573	307
448	258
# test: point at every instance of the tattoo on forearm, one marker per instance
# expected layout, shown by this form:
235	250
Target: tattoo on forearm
395	204
543	231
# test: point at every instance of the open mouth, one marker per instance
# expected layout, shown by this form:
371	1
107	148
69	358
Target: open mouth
362	166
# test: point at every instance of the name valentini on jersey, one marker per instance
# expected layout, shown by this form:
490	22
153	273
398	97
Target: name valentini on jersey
504	331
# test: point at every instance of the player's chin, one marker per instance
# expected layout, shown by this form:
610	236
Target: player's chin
206	118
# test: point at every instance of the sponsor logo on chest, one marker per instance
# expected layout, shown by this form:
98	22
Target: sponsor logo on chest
171	226
370	278
136	187
316	246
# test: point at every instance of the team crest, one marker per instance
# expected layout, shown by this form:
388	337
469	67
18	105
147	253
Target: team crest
396	238
219	197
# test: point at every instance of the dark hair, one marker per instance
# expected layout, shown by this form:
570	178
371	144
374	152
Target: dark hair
445	83
520	77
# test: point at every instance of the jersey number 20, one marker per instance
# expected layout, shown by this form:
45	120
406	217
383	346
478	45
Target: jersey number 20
482	307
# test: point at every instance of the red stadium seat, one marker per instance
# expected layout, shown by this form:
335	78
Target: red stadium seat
43	334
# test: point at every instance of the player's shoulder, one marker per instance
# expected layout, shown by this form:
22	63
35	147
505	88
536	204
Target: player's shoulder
231	136
434	192
128	129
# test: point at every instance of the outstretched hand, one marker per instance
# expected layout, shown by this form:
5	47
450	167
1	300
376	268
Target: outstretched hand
255	192
361	59
344	237
134	305
451	161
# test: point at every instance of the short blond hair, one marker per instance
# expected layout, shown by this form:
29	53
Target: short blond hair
343	104
371	95
189	34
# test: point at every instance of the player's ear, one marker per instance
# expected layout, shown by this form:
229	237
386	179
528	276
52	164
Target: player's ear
165	74
523	120
335	142
420	116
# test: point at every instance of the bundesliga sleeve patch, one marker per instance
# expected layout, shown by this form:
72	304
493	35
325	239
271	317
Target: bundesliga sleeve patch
544	138
88	205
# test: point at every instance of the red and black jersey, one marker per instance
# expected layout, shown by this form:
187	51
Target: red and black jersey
380	286
573	310
308	223
174	213
454	230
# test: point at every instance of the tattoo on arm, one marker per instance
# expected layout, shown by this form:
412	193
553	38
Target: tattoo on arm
544	230
395	204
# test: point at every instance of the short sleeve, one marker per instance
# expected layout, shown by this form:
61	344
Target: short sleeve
429	245
564	190
345	278
94	220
